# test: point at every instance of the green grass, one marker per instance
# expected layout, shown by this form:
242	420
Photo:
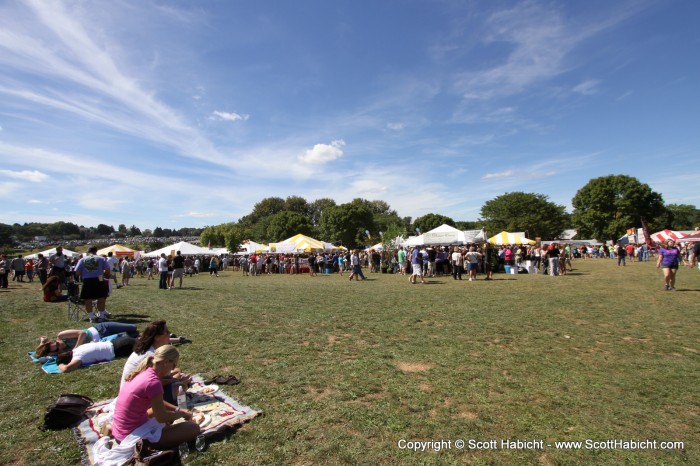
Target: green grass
345	370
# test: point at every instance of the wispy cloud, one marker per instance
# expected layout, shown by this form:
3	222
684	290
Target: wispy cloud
588	87
505	174
102	89
228	116
34	176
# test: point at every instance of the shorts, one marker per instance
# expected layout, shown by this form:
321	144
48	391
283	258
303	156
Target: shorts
93	288
472	266
674	267
178	273
417	270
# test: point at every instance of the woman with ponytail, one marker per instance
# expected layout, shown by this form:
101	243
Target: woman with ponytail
140	409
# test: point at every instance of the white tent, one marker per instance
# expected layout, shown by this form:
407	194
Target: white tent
250	247
185	248
50	252
446	234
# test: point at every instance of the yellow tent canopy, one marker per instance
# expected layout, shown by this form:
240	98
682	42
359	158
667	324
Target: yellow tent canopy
117	250
509	238
298	243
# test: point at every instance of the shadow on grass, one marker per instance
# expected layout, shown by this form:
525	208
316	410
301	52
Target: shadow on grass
131	318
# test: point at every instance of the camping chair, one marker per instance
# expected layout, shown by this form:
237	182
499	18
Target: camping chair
76	306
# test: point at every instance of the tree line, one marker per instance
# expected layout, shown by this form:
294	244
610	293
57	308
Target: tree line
66	231
603	209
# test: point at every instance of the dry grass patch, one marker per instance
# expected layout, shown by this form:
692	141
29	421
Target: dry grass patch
414	366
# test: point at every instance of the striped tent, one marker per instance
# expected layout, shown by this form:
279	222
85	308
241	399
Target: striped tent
298	243
509	238
117	250
693	237
665	235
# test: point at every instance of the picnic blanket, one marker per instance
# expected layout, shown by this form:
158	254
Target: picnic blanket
222	410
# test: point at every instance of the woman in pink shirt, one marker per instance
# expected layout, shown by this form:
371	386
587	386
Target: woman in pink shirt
140	410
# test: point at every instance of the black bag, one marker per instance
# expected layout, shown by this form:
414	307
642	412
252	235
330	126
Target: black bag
68	411
146	455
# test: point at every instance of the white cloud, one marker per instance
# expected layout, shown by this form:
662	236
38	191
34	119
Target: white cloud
228	116
322	153
34	176
395	126
505	174
589	87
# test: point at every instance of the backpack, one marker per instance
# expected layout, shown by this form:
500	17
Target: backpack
68	411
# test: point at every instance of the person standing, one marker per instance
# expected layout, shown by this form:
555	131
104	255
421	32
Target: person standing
92	269
312	265
42	266
694	254
416	266
472	258
213	266
401	257
163	270
4	270
178	268
57	261
18	268
552	256
457	263
489	255
356	267
669	259
113	262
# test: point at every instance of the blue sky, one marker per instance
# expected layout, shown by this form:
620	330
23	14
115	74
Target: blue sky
174	113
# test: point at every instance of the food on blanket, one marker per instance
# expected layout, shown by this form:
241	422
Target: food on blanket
198	418
207	390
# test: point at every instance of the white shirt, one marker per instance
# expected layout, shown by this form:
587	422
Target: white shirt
94	352
133	362
162	264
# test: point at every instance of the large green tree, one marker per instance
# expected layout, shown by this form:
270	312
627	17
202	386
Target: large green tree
607	206
297	204
529	212
346	223
285	224
431	221
683	216
318	206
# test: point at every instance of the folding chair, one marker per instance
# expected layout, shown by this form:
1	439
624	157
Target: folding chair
76	306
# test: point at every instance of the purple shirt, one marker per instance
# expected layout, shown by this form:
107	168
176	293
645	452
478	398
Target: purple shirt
669	257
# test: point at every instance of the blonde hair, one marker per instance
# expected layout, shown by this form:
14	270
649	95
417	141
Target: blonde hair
164	353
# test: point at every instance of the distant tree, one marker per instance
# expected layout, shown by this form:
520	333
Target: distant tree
158	232
391	233
297	204
607	206
529	212
147	232
62	230
133	231
6	233
430	221
377	207
683	216
346	223
469	225
317	207
104	230
122	229
265	208
285	224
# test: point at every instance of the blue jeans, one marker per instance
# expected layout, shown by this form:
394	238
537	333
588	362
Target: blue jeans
106	329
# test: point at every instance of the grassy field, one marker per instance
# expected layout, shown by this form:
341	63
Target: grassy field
348	373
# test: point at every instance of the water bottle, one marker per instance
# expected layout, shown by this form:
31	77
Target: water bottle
201	443
182	404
